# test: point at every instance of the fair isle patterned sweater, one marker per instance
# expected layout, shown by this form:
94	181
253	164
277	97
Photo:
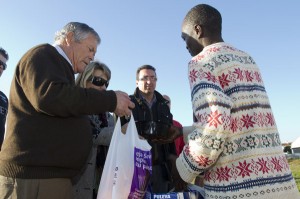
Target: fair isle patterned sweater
236	143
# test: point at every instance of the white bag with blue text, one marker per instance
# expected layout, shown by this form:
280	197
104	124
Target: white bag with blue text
128	168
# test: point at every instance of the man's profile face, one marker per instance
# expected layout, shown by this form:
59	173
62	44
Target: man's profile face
3	61
190	36
83	52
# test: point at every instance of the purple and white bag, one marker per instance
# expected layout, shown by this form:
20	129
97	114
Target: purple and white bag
128	167
142	173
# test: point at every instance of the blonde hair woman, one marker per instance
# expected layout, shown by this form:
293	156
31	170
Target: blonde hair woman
95	76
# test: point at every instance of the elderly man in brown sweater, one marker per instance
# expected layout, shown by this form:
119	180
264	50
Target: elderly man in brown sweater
48	137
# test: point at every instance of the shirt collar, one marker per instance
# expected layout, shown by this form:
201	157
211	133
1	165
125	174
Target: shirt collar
60	51
152	101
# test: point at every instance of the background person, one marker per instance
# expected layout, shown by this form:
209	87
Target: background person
48	137
3	99
179	142
96	76
236	143
153	118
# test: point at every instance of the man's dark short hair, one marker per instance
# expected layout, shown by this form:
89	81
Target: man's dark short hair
142	68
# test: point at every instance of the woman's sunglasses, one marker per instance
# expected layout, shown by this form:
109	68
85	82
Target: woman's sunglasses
99	81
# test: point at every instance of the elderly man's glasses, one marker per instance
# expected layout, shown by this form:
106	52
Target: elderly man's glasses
99	81
3	64
148	78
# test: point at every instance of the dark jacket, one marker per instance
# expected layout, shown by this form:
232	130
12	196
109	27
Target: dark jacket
3	113
153	122
47	134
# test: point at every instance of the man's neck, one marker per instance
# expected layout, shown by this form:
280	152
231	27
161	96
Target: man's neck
147	96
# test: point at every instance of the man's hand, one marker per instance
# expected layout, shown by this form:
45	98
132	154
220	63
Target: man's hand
180	185
172	133
124	104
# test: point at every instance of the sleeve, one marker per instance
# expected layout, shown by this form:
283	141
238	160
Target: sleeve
105	135
179	143
47	82
211	107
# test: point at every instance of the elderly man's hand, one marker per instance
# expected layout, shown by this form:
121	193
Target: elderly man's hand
124	104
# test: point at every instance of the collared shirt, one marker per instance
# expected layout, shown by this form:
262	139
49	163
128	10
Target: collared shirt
151	102
60	51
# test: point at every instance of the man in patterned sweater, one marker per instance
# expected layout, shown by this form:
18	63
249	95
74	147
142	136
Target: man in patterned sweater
236	142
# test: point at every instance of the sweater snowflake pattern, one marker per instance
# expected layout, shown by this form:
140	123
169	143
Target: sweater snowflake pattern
236	142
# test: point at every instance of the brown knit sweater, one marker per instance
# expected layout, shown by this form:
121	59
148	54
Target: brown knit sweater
48	134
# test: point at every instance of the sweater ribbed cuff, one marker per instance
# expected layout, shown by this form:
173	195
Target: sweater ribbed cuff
184	170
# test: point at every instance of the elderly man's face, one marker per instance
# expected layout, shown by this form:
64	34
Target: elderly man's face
82	53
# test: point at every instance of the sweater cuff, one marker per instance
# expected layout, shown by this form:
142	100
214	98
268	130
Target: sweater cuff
184	170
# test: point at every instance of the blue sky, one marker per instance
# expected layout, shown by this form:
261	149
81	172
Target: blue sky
138	32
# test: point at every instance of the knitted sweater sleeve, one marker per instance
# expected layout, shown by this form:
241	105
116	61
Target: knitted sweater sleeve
211	107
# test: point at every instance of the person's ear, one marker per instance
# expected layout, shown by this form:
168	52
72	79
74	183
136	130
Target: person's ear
199	30
69	38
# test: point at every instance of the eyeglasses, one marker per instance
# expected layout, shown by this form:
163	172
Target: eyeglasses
3	64
147	78
99	81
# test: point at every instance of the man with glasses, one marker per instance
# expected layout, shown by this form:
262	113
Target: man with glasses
154	123
3	98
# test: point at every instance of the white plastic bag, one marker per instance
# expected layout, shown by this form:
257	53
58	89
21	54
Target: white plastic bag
123	163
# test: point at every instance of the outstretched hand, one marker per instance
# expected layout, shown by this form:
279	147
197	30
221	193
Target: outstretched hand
172	133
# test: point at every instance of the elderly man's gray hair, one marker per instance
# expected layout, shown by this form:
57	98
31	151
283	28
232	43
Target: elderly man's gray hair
80	30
